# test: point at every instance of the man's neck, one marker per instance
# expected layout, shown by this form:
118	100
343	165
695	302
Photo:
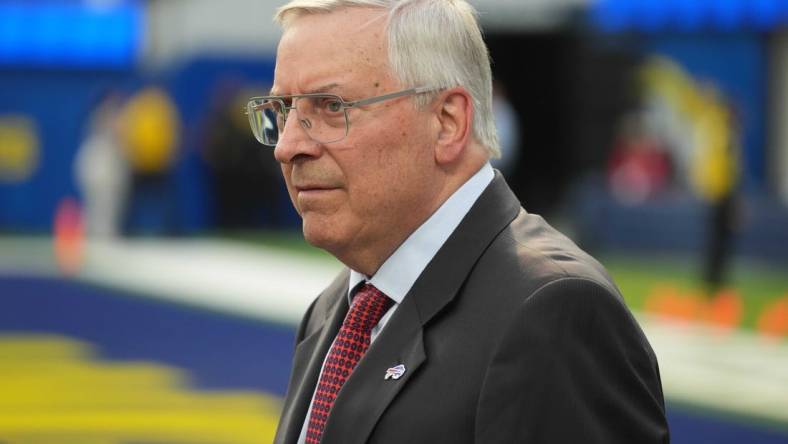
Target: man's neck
368	262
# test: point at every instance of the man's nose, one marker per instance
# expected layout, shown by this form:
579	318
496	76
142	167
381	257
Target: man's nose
294	142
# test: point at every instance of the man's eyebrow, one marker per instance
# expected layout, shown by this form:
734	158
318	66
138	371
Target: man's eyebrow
326	88
322	89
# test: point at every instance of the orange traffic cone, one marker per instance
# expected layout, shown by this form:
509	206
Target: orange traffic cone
68	237
773	321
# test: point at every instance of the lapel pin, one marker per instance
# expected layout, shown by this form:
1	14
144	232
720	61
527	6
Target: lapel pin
395	372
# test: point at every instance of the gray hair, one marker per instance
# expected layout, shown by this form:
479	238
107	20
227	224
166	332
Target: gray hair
431	43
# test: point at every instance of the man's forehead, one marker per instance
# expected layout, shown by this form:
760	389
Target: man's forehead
331	52
344	30
364	18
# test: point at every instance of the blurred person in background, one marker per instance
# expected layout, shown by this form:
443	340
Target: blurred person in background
101	169
699	126
150	132
639	168
507	126
247	180
460	317
715	177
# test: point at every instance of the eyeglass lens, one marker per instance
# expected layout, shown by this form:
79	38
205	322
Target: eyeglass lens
322	117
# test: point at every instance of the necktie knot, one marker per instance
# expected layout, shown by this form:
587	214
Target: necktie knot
368	307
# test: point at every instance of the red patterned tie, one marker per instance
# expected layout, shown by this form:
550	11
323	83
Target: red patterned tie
352	341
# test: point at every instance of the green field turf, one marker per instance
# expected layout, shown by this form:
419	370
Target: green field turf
758	284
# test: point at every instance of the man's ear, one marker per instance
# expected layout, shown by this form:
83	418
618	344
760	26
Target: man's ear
454	109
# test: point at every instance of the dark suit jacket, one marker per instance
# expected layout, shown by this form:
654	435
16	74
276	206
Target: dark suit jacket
512	334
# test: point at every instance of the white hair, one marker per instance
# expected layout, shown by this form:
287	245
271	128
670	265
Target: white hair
434	43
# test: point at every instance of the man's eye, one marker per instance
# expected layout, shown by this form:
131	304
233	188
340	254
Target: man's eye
333	106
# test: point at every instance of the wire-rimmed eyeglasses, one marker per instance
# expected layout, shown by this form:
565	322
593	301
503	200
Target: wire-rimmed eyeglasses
322	116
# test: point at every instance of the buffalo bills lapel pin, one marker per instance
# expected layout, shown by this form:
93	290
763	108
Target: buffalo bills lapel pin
395	372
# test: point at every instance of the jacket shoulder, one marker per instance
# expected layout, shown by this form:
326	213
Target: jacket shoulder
534	254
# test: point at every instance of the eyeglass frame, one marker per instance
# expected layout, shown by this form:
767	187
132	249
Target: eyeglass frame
345	106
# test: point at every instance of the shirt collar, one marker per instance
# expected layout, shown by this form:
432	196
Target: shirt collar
399	272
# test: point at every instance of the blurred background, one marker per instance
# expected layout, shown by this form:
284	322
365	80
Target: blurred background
152	270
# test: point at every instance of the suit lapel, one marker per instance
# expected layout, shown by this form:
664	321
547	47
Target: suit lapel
307	362
366	394
440	281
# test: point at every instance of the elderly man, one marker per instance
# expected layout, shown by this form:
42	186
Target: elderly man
460	318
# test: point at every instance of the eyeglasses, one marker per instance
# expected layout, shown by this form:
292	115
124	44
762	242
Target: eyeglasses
322	116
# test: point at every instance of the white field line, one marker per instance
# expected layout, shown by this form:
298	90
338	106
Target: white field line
739	372
228	277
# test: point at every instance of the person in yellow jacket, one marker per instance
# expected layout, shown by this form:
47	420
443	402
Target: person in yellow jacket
715	178
151	135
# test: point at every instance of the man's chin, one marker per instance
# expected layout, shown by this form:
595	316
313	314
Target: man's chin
313	239
320	235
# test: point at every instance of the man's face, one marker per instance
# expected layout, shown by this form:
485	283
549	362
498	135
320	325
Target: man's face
360	197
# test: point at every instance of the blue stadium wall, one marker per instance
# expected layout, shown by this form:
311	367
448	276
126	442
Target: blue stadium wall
59	101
